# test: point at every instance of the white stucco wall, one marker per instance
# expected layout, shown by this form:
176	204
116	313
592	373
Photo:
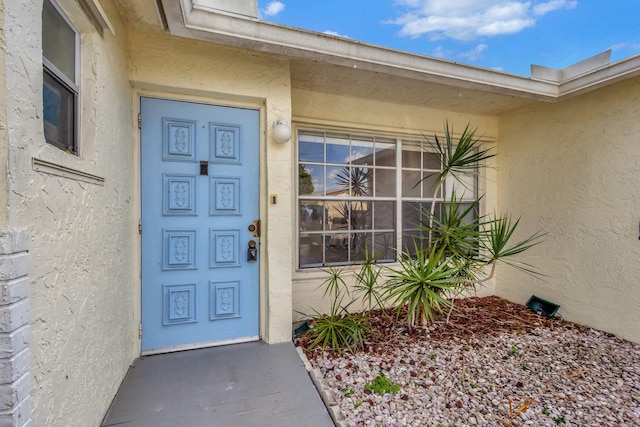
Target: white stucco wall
81	234
176	68
573	169
368	116
4	143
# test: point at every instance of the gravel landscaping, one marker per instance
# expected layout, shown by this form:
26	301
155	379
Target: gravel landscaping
495	364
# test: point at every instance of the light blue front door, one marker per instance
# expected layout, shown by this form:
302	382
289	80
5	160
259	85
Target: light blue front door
200	193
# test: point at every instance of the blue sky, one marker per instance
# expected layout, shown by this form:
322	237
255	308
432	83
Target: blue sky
507	35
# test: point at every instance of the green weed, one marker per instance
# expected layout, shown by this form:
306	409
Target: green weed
382	385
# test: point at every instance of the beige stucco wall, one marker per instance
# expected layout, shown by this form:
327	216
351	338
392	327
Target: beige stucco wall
573	169
375	117
4	143
177	68
81	235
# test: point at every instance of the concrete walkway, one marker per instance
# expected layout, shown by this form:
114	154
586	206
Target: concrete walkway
252	384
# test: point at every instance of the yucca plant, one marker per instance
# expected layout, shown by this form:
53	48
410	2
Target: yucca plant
368	287
339	330
464	156
462	248
421	282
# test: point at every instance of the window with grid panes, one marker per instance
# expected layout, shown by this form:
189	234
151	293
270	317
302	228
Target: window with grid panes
360	193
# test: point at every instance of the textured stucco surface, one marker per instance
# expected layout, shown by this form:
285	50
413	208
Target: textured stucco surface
81	235
176	68
4	151
321	109
573	169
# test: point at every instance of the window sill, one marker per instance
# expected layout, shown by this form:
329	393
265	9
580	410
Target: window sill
58	170
317	273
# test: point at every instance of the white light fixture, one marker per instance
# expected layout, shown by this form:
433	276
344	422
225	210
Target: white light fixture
281	131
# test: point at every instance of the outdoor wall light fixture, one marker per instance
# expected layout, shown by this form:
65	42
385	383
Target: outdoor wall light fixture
281	131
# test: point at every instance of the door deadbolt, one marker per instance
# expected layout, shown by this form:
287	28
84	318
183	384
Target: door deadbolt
254	228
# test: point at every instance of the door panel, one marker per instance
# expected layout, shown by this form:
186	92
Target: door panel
200	192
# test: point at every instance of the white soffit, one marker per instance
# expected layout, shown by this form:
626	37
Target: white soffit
186	18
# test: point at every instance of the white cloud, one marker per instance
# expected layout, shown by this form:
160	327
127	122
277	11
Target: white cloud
273	8
441	52
470	19
333	33
626	46
550	6
475	53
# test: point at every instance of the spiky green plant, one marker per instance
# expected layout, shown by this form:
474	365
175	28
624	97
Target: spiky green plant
334	286
462	247
338	331
368	287
421	282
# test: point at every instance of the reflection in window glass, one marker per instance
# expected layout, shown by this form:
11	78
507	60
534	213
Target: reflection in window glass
411	156
384	246
361	215
337	215
385	215
385	155
360	243
310	151
431	161
60	87
311	249
360	181
337	248
385	182
361	152
338	153
59	41
410	215
311	215
310	180
338	183
348	197
430	185
411	183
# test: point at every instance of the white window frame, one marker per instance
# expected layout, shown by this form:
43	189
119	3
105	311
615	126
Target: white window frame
73	85
399	199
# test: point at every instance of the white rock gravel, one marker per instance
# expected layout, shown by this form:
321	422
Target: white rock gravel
545	377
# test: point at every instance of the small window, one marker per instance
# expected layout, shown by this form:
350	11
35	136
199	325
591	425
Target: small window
60	47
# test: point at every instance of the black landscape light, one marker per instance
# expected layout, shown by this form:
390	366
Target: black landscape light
542	306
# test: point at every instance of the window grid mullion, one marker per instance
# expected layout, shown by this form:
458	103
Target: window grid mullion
399	144
348	239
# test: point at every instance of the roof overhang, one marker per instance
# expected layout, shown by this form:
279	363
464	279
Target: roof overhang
187	18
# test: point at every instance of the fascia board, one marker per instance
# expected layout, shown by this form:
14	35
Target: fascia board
191	22
188	21
617	71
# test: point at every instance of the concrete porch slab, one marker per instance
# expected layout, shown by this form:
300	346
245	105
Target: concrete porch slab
253	384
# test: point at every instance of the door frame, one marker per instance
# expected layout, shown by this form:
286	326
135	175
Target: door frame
238	102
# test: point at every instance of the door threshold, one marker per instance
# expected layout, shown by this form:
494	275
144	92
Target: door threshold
199	345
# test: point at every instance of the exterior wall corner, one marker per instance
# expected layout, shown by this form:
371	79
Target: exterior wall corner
15	330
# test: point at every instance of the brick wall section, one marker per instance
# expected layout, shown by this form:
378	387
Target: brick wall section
15	332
